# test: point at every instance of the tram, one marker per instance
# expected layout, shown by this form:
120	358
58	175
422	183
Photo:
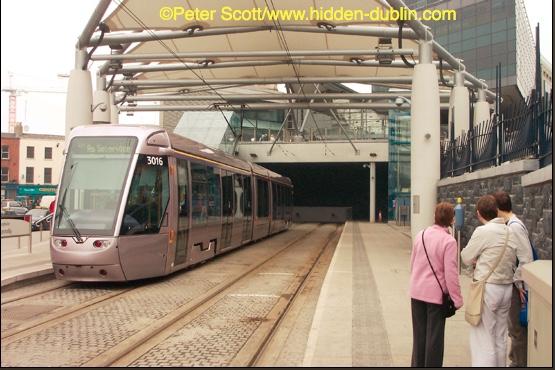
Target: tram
137	201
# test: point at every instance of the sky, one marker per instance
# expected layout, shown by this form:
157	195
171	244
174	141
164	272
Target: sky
37	45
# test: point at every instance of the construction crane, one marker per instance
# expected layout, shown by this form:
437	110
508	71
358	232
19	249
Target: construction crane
14	93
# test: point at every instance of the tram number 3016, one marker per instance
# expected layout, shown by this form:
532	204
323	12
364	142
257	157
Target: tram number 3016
154	161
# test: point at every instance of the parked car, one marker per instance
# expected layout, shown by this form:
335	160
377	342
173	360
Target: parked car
13	208
43	223
38	218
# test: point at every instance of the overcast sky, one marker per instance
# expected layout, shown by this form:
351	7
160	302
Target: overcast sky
37	44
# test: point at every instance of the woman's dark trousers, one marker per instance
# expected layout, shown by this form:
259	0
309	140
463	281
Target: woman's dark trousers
428	329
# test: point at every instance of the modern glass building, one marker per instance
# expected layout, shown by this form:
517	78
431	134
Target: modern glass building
485	33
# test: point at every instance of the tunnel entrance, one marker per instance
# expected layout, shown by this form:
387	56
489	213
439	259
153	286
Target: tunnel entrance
336	185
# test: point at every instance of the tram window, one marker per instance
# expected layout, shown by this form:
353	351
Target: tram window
199	182
227	194
214	196
238	195
262	198
182	177
247	195
148	197
275	201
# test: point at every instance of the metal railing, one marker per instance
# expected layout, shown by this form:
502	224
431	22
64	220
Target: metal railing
528	133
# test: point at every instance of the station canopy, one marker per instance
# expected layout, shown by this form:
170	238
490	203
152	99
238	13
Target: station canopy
151	55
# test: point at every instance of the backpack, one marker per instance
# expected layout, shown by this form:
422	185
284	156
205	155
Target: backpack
534	253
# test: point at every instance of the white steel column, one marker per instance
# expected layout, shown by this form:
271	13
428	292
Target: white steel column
481	108
114	111
79	94
424	147
101	102
459	104
372	192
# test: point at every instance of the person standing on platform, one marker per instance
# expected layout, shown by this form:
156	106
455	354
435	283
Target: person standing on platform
428	319
492	246
517	332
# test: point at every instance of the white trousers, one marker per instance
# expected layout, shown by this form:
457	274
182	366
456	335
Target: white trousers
488	340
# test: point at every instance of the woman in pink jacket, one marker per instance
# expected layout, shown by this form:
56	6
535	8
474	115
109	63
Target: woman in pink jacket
428	320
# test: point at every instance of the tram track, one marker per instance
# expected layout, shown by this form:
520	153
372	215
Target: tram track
34	292
127	351
257	345
56	316
62	317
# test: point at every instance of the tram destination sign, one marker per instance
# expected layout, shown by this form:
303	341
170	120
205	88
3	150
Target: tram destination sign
105	145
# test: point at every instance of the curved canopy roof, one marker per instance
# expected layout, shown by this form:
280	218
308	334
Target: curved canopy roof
152	54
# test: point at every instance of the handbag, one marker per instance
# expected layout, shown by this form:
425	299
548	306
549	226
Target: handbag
447	306
475	298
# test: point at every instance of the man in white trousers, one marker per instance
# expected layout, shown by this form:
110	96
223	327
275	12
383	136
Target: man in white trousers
488	340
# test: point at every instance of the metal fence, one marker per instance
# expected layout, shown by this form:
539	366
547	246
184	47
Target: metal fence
526	133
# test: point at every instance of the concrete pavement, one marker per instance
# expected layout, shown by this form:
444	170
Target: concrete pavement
18	264
379	334
362	317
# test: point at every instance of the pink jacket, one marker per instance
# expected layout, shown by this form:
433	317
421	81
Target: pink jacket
442	250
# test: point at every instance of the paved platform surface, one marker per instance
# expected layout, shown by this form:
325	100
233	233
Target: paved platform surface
362	316
18	264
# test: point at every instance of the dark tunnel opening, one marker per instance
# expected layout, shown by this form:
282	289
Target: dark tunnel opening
336	185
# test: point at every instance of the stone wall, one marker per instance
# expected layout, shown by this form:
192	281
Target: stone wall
532	200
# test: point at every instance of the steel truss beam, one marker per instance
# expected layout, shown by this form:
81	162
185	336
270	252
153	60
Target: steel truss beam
254	97
249	54
119	38
256	63
264	106
262	81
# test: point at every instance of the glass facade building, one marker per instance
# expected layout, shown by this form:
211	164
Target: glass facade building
485	33
398	183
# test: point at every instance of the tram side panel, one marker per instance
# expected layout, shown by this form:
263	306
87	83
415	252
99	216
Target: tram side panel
143	241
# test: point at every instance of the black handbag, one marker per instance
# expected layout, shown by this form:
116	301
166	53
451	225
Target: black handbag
447	306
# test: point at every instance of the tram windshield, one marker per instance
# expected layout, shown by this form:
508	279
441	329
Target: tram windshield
92	185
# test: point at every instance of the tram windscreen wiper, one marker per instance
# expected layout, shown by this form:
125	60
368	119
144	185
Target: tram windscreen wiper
71	224
76	232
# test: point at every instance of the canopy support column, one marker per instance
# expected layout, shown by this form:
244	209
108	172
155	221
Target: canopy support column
79	94
101	108
459	103
481	108
425	135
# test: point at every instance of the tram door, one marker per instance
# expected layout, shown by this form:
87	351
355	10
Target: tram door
182	212
247	208
237	235
144	234
227	209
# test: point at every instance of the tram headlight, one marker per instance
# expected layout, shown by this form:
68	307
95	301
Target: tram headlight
101	243
60	243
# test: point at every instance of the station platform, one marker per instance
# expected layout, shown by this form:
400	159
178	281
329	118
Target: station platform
20	265
362	316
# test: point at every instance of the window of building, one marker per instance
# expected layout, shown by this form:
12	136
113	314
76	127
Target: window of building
47	153
5	174
5	152
30	152
29	174
48	175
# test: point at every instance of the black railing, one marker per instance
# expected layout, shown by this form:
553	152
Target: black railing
528	133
